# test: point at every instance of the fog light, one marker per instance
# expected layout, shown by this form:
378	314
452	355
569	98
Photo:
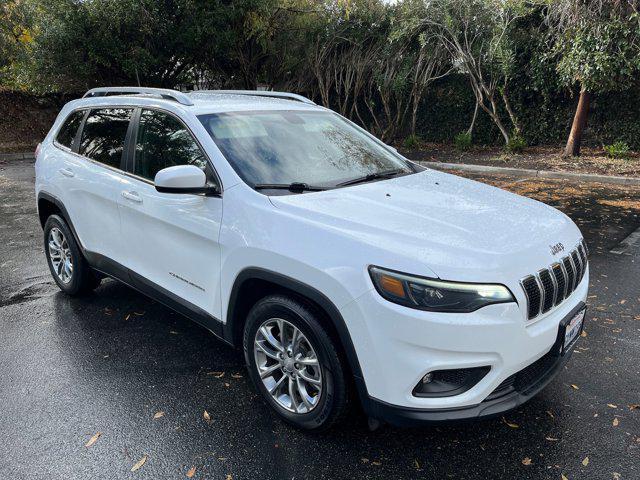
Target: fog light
446	383
428	378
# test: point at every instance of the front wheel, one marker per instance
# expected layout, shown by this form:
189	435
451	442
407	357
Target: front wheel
294	363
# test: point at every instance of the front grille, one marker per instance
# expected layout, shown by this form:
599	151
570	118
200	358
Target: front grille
550	286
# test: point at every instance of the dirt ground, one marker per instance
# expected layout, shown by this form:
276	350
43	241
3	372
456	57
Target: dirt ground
592	160
25	120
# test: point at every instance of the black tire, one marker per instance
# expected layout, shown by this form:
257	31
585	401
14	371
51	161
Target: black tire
83	279
334	397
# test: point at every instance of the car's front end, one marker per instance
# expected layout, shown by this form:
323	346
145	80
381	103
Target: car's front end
456	297
467	292
435	365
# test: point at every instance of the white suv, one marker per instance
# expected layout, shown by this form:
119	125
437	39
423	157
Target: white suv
338	265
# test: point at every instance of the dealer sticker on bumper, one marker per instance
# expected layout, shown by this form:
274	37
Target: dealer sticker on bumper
573	329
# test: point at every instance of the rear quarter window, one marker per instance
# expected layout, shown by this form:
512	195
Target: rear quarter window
67	133
103	135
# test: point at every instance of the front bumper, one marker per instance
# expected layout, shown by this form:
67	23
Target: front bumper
514	391
397	346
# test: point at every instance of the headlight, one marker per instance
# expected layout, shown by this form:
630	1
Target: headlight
436	295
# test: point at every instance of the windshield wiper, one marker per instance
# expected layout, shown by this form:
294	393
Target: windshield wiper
296	187
373	176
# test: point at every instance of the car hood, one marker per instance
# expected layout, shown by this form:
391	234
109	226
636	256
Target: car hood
453	226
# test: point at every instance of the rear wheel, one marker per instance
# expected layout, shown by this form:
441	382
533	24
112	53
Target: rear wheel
66	263
294	363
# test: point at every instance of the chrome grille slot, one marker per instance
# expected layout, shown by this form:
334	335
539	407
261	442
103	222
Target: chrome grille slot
551	286
571	274
532	291
548	286
561	282
578	263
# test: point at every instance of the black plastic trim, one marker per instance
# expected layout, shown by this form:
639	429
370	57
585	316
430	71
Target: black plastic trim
474	376
209	190
307	291
63	212
136	281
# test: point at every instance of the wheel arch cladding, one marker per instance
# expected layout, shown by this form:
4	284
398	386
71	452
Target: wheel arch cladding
46	208
253	284
49	205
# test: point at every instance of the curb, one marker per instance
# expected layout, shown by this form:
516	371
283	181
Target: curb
17	156
524	172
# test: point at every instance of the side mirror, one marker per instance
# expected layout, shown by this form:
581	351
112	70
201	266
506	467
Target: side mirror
183	179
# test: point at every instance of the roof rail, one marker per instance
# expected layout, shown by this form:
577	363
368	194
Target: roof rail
261	93
165	93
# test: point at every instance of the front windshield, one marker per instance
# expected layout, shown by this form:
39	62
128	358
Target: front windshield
310	147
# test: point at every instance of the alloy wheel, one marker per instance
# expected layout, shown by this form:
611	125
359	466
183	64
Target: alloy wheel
60	255
288	365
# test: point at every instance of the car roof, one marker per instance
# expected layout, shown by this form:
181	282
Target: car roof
230	102
197	102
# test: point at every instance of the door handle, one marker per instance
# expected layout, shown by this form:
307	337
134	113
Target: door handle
67	172
133	196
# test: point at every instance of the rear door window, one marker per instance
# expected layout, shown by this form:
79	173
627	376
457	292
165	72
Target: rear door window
163	141
67	133
104	133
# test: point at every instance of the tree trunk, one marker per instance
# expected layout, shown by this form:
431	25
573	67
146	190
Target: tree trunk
572	148
473	119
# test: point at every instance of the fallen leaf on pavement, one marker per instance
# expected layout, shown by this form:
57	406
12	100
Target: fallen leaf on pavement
563	477
526	461
512	425
236	375
416	464
634	406
191	472
206	416
216	374
616	422
229	477
93	439
158	415
140	463
551	439
575	387
585	462
611	405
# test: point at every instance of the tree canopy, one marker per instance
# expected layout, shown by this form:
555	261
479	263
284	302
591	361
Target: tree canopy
373	61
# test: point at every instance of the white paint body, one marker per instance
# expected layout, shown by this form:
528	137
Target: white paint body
430	224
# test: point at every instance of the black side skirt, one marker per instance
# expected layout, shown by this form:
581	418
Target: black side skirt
121	273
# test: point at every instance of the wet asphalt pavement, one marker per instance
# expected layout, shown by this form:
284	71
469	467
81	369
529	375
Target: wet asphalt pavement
109	362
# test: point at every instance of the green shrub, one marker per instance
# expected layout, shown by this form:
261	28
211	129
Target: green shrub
516	144
617	150
412	141
462	141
